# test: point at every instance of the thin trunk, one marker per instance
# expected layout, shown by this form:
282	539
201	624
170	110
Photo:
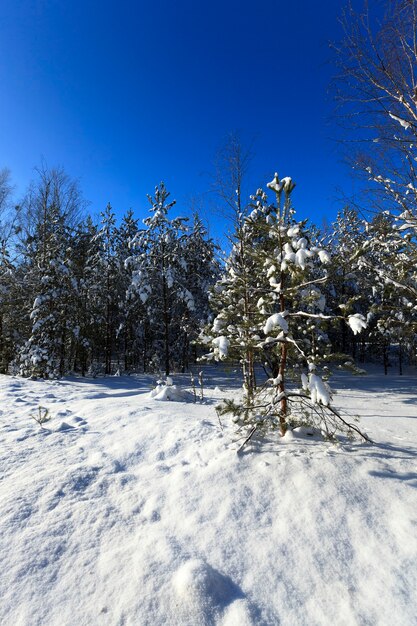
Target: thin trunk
281	389
248	362
400	358
283	360
385	358
107	350
184	364
344	337
2	348
125	348
146	342
62	351
166	330
363	347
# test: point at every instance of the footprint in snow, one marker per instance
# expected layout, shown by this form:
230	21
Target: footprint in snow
155	517
80	479
55	500
79	420
117	466
63	413
64	426
264	464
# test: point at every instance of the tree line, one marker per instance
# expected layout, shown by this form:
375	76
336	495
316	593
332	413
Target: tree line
80	296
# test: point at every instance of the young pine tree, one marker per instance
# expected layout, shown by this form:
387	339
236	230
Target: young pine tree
271	309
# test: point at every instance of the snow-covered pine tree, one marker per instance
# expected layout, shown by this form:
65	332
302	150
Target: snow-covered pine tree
46	352
8	280
84	250
348	289
234	332
171	268
46	289
131	310
102	276
157	278
200	272
280	321
7	274
389	257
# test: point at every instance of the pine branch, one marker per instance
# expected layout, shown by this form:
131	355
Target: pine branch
248	438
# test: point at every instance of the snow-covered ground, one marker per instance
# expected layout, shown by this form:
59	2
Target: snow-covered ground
129	510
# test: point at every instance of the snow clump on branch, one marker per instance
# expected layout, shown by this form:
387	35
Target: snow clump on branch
357	323
277	319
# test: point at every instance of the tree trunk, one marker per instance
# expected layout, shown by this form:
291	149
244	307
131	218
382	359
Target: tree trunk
166	326
385	358
107	349
281	389
62	351
2	350
282	365
400	358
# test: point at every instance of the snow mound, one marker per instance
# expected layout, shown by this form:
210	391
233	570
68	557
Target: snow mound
171	393
63	426
237	614
204	593
304	432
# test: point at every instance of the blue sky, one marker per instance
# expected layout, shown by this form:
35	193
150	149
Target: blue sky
125	94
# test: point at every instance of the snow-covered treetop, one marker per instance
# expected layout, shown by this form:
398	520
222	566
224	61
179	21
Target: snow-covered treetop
286	184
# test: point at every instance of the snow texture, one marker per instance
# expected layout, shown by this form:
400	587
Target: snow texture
127	511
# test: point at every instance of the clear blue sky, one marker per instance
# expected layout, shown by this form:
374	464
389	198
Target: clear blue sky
125	94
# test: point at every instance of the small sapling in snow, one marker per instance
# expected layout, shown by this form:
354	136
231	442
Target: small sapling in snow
192	379
42	416
201	383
